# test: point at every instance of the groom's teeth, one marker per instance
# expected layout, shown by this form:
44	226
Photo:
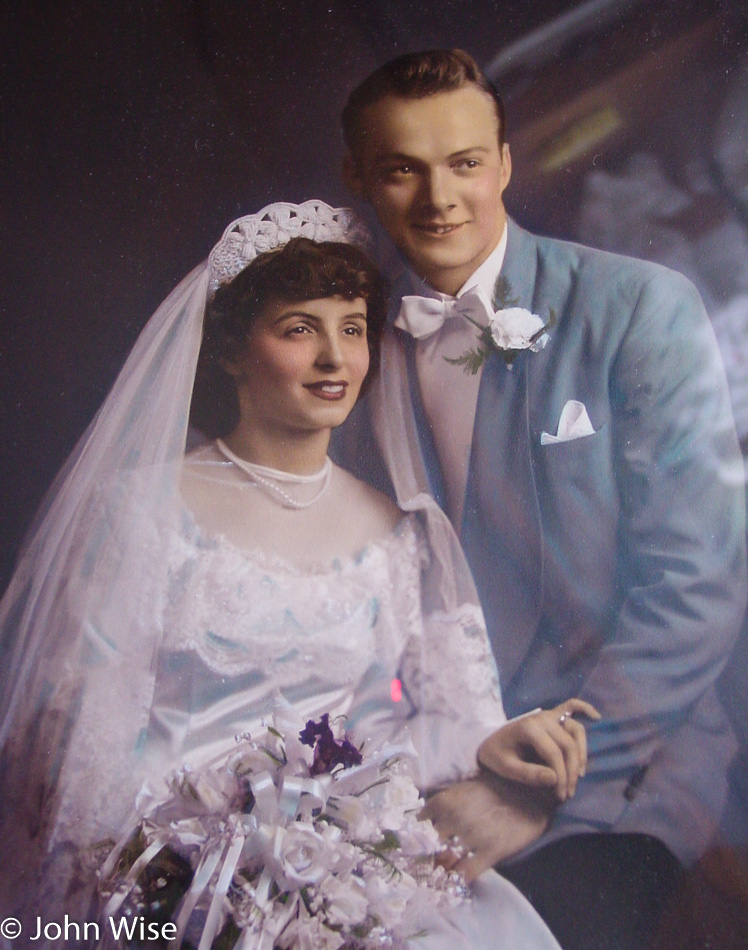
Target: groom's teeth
439	228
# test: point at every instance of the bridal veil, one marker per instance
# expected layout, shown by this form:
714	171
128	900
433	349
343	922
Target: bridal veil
79	621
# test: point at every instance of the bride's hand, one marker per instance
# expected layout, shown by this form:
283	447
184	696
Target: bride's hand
485	820
547	749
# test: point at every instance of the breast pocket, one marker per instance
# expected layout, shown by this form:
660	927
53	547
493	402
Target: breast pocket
576	458
579	505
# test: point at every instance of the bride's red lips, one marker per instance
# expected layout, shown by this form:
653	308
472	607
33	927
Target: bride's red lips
328	389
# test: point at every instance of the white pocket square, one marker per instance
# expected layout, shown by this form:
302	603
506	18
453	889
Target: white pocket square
573	424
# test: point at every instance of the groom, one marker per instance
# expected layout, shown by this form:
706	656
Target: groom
595	485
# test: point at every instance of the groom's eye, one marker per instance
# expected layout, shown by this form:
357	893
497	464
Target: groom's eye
394	171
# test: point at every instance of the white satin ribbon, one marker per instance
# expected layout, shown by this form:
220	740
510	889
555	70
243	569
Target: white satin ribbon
423	316
117	899
293	789
266	797
213	920
200	881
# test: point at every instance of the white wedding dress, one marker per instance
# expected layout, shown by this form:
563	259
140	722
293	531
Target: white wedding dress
237	627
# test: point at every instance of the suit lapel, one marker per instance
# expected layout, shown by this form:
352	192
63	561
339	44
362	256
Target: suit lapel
501	529
520	264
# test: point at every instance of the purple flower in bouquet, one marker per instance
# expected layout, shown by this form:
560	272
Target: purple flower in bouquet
328	751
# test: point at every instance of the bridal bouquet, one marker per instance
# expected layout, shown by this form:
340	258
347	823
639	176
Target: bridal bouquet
297	842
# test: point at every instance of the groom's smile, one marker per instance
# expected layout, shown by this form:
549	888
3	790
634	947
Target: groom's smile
434	172
437	230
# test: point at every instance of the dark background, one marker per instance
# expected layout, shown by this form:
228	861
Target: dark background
132	134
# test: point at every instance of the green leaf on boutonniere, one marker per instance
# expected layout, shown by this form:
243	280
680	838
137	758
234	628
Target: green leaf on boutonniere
471	361
502	294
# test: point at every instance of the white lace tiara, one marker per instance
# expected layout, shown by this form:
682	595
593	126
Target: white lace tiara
274	226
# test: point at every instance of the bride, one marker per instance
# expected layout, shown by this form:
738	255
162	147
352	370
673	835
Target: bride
164	600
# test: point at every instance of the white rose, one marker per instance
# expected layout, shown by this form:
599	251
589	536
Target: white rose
512	329
388	897
302	856
342	857
345	901
395	799
358	816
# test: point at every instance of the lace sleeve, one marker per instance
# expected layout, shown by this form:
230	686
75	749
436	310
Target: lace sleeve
447	670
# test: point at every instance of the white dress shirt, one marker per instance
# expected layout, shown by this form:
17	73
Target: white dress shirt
449	394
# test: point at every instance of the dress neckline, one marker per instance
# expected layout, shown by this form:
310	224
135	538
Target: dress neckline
195	533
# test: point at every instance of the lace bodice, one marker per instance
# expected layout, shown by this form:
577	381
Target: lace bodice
244	611
239	627
221	630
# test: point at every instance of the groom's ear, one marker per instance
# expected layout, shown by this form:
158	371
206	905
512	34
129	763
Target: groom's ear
353	177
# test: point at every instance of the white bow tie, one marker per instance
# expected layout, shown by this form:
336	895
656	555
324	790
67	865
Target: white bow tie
422	316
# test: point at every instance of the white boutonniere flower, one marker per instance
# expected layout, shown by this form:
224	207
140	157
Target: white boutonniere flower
511	329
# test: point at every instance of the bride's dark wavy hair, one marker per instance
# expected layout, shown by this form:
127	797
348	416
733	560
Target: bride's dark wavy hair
299	270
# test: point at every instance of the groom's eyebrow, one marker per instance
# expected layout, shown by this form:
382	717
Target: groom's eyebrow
469	151
388	157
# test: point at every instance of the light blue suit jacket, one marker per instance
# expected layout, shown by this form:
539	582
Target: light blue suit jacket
612	567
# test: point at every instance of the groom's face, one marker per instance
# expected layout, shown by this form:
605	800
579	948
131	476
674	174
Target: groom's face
434	173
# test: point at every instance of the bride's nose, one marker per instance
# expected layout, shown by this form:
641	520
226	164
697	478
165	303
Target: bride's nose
329	351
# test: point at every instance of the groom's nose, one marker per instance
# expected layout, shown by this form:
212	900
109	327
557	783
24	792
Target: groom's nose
436	192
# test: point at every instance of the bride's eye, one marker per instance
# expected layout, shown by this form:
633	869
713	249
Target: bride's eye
354	329
298	330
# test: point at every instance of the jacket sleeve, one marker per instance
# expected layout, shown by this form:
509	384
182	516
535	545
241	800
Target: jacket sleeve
681	561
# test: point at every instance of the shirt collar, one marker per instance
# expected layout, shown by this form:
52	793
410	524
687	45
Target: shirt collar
484	276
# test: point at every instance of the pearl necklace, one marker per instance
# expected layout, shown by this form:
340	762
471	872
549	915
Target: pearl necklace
265	478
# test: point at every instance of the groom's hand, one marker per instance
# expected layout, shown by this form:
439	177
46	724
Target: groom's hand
486	820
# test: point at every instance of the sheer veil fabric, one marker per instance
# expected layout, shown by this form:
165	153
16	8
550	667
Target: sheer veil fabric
80	631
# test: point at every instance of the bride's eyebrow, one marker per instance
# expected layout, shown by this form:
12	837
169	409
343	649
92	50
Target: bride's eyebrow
315	318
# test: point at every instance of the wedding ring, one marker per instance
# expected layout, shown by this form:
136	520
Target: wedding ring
563	717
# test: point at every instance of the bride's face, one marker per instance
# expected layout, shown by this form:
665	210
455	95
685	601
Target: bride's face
302	365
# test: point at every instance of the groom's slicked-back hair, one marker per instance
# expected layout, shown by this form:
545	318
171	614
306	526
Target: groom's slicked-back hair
416	76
